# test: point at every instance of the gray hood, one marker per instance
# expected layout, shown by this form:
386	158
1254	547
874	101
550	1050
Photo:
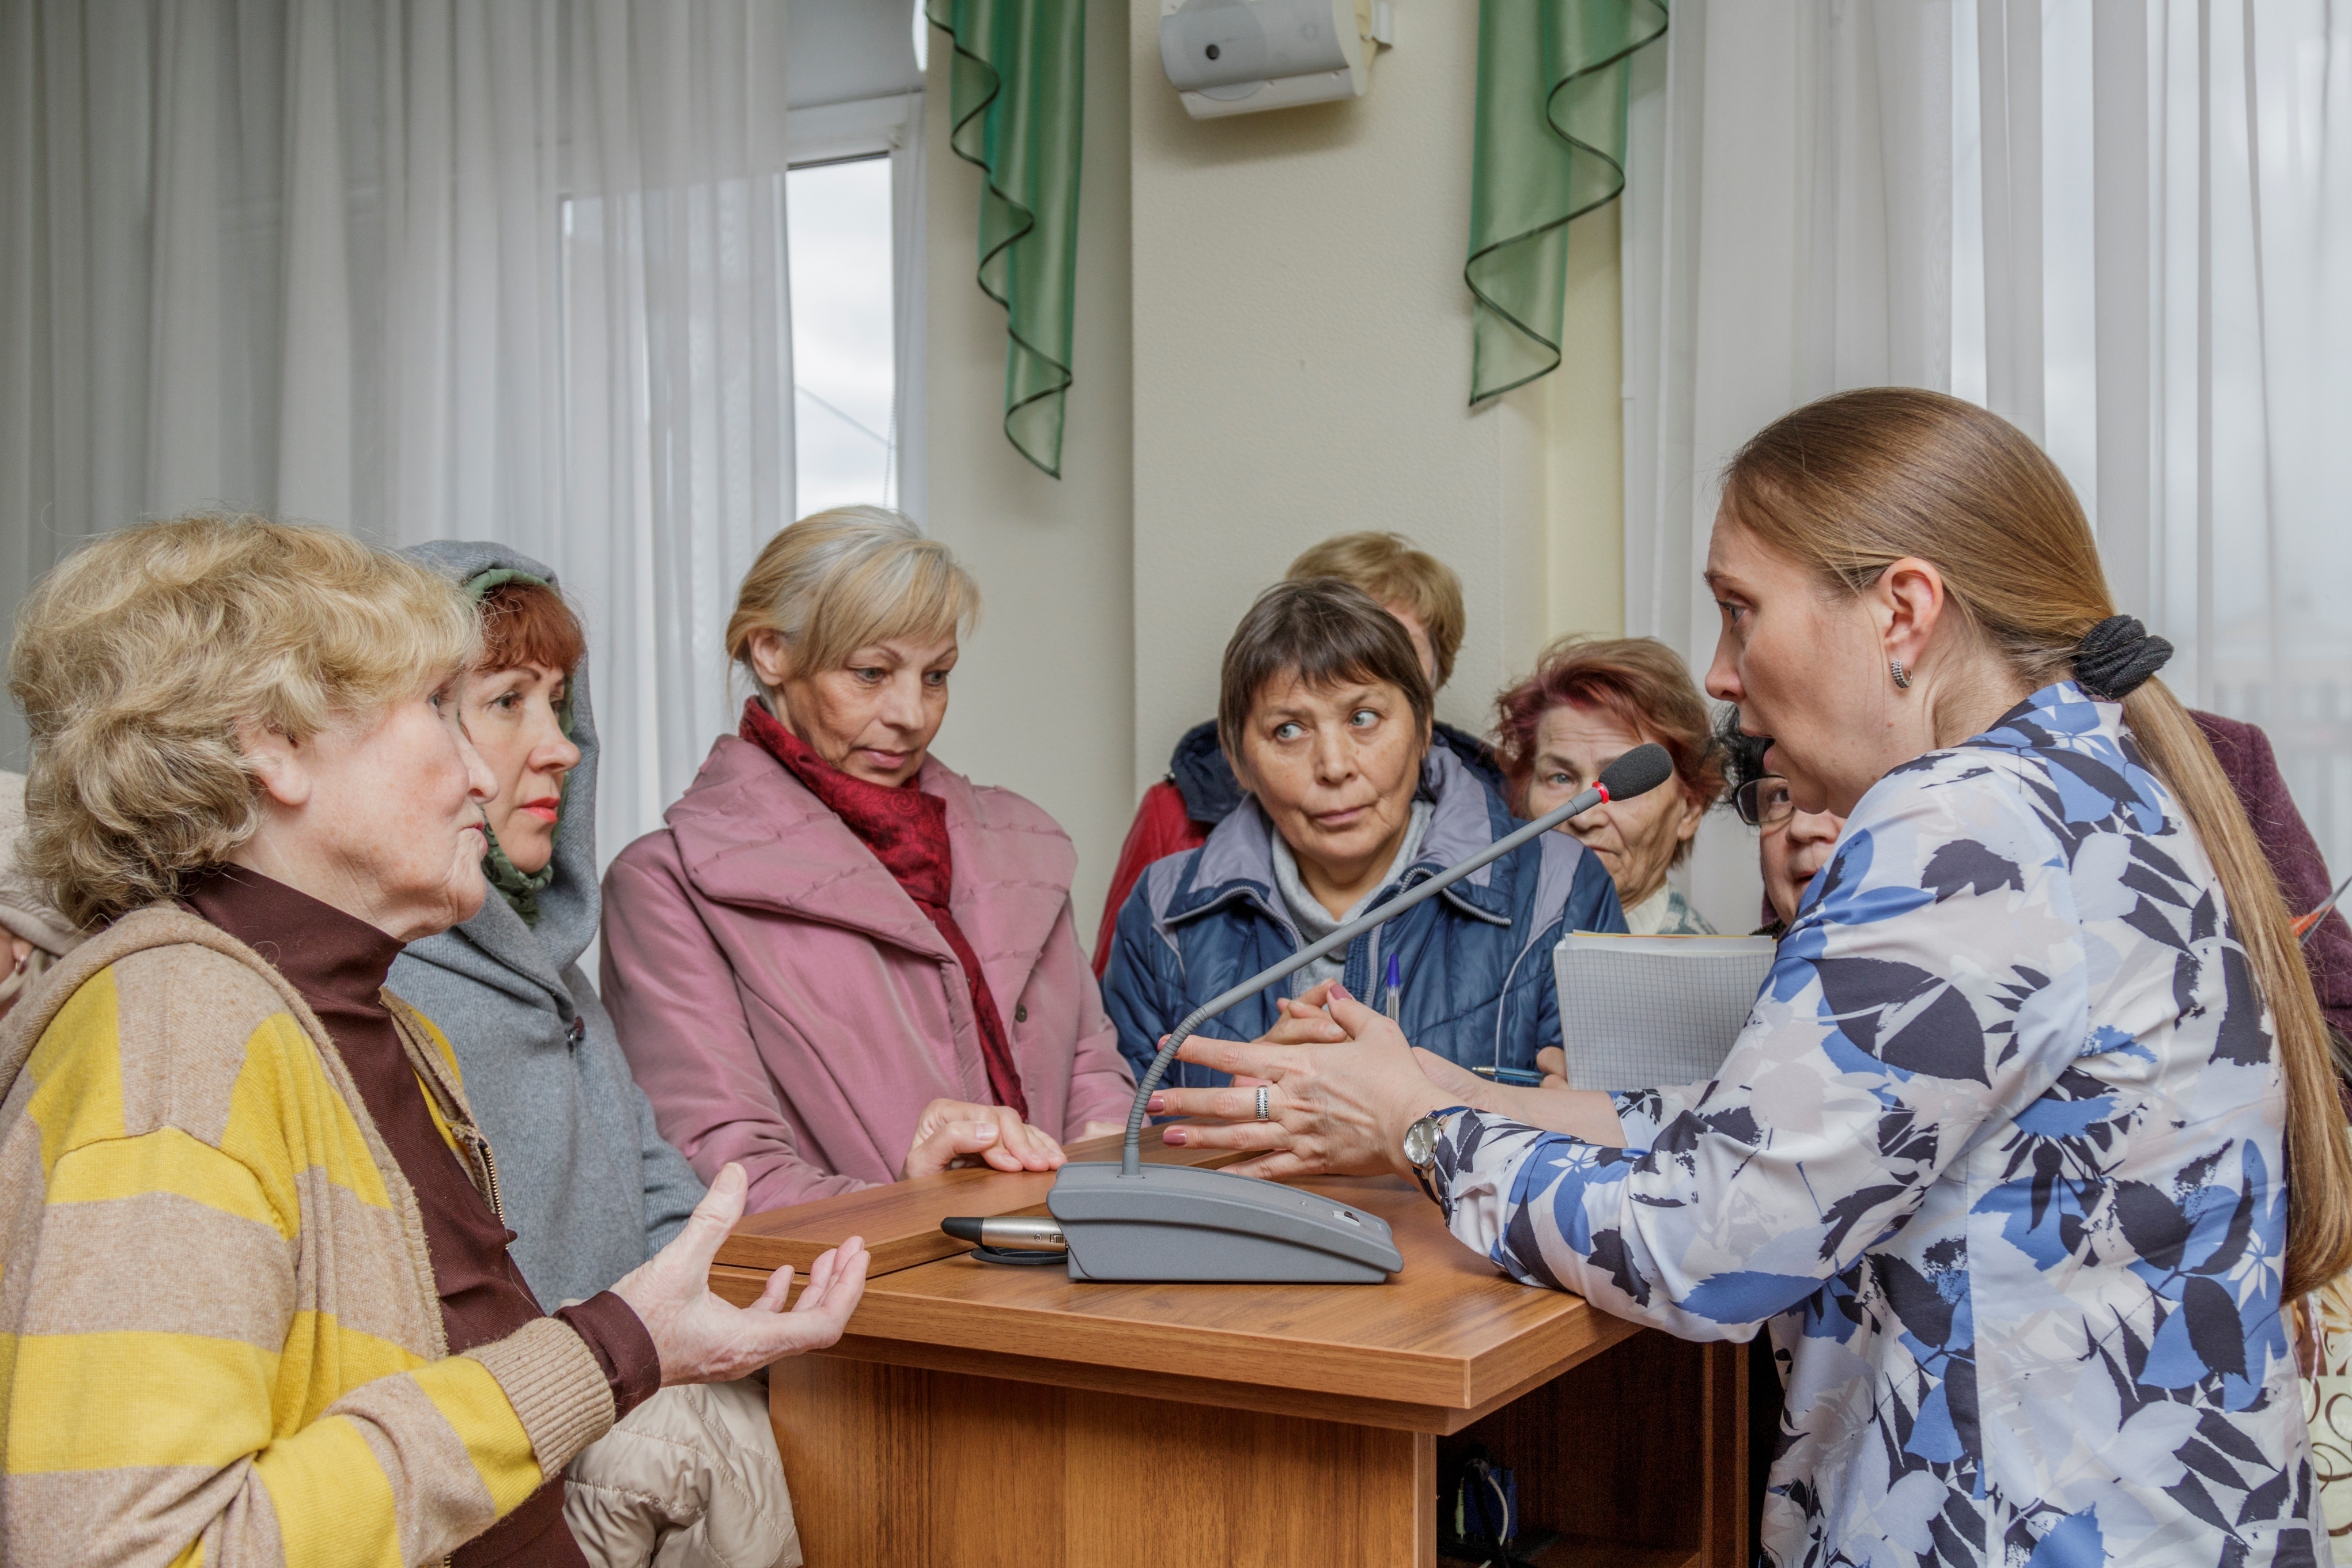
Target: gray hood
495	946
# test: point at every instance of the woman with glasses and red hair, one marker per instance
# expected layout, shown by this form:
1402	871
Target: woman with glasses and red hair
1590	701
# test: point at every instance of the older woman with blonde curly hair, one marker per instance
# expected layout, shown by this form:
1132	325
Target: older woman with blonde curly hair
256	1289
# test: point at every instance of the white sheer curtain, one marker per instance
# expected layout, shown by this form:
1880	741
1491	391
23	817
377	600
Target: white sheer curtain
2223	470
422	269
2117	225
1786	234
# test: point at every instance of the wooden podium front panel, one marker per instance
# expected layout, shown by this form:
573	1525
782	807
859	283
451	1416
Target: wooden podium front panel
981	1414
1441	1342
1638	1456
897	1467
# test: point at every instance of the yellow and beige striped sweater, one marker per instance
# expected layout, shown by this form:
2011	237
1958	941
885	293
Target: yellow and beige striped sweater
220	1340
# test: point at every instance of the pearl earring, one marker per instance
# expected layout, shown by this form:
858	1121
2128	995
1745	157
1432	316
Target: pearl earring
1900	678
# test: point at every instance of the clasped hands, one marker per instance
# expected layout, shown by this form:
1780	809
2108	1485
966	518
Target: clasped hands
1343	1085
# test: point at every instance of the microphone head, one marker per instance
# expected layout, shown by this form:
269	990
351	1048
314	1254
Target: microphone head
1637	772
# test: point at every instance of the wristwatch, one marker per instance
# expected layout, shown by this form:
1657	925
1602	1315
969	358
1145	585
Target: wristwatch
1420	1149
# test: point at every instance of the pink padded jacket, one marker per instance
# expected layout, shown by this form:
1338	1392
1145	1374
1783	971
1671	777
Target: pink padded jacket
783	1003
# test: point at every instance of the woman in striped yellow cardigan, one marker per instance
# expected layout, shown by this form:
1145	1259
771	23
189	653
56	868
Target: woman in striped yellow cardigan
255	1301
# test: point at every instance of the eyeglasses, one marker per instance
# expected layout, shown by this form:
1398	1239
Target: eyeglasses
1764	802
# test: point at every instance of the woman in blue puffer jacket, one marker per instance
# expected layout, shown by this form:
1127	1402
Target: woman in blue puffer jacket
1325	713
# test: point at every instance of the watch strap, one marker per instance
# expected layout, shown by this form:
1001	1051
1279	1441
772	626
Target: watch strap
1423	1175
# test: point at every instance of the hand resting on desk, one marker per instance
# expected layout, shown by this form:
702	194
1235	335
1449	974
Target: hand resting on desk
953	1133
1345	1084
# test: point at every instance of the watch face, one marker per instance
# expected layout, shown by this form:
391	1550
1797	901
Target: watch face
1421	1141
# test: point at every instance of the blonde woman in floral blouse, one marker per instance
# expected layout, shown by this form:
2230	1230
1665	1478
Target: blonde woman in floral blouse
2002	1156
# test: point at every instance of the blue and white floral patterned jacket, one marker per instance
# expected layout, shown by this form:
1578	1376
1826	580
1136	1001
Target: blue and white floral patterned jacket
1999	1156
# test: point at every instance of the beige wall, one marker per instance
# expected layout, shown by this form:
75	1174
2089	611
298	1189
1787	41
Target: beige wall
1302	367
1299	366
1044	695
1585	468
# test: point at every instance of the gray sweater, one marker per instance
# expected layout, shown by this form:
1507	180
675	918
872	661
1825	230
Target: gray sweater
590	1187
1315	922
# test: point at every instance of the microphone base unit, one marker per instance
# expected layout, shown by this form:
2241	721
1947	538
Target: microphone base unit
1178	1224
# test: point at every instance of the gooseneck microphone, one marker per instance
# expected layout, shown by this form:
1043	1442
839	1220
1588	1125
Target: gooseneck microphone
1133	1222
1637	772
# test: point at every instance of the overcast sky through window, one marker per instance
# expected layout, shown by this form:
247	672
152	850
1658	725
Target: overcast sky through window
839	224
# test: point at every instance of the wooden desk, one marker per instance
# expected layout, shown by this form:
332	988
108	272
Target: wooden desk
982	1415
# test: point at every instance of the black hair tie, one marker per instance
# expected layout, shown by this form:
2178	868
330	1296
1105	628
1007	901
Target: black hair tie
2115	656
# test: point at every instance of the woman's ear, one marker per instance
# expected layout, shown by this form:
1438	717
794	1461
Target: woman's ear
281	764
770	662
1693	809
1909	601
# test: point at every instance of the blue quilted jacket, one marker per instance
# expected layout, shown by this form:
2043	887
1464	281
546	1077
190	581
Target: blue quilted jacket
1476	960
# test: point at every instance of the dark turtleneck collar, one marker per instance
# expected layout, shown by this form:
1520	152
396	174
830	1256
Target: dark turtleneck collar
336	960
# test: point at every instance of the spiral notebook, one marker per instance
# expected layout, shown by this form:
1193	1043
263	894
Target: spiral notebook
1637	1012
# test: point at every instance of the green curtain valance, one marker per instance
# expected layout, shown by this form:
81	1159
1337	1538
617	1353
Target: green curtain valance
1552	79
1017	101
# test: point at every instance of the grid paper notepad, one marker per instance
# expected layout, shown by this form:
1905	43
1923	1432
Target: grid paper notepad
1637	1012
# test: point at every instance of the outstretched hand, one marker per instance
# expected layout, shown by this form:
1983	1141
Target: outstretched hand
703	1339
1339	1108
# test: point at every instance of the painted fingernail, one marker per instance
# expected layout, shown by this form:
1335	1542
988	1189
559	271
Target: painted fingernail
1156	1103
1174	1136
1339	990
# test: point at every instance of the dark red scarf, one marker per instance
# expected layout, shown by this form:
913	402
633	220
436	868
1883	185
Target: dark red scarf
908	832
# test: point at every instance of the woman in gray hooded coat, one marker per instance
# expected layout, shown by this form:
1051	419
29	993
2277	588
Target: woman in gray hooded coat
589	1188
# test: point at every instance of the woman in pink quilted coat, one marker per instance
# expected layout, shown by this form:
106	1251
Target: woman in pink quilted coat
842	962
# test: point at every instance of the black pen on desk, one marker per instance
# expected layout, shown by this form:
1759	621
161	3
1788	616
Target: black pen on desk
1517	1077
1395	991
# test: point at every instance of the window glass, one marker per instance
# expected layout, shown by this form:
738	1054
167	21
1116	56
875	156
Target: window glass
843	372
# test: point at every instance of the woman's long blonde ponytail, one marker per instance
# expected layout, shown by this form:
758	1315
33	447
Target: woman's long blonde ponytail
1857	481
2318	1156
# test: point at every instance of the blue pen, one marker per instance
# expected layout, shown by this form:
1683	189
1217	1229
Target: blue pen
1395	989
1518	1076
